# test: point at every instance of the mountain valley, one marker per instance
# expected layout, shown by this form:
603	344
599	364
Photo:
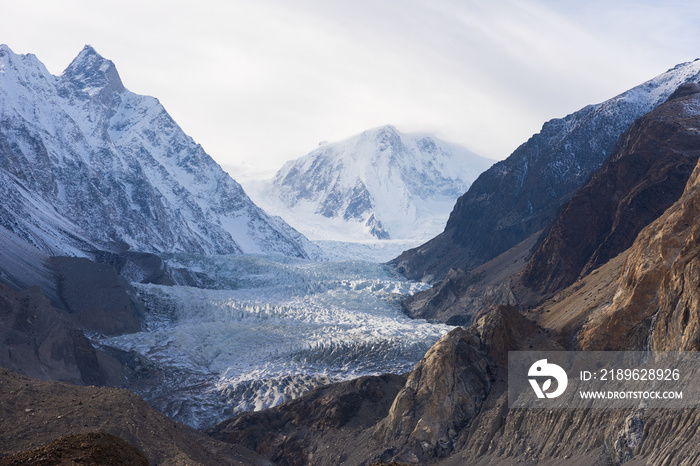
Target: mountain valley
153	310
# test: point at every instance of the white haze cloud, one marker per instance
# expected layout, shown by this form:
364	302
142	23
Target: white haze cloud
258	82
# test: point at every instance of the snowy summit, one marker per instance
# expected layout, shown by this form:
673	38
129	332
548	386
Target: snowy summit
380	184
85	164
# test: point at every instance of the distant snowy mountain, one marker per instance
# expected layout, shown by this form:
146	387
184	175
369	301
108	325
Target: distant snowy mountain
381	184
85	163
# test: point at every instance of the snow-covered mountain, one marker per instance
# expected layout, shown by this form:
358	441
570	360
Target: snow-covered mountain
379	184
85	163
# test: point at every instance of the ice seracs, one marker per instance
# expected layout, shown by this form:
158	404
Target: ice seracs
85	163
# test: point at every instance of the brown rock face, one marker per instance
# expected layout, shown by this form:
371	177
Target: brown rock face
442	395
644	176
321	427
658	298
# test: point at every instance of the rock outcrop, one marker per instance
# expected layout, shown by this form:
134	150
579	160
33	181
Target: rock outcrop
321	427
442	396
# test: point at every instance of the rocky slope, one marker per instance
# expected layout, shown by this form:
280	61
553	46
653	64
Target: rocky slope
41	341
86	164
89	448
36	413
461	296
516	197
657	304
644	175
321	427
379	184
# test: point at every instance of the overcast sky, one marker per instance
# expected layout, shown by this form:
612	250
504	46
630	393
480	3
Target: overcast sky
260	82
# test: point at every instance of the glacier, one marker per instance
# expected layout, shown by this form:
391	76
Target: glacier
276	328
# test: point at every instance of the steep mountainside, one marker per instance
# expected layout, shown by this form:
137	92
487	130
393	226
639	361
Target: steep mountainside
657	300
379	184
85	163
645	174
516	197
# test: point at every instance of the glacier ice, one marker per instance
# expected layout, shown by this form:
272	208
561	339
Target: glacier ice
280	327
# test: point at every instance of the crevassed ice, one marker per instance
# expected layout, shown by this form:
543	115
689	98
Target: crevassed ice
282	327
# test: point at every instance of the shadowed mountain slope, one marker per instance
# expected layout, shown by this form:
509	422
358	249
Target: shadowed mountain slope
517	196
644	176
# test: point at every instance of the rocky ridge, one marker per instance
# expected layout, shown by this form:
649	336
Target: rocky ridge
517	196
645	174
656	305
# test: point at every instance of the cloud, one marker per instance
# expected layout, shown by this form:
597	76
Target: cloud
263	81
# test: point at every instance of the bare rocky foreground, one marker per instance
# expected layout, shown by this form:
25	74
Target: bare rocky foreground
35	413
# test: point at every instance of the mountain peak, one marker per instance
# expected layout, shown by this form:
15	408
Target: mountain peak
93	73
381	183
384	129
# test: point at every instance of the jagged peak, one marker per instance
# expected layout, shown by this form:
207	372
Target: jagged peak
93	73
6	50
384	129
27	64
